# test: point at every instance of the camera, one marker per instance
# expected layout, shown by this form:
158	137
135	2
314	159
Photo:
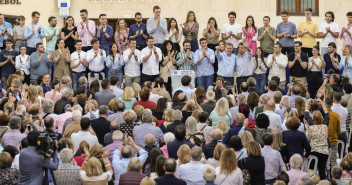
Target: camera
46	144
289	85
315	101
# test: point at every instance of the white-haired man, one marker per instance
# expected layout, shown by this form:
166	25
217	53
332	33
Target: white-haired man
75	126
67	95
67	173
117	137
295	173
210	105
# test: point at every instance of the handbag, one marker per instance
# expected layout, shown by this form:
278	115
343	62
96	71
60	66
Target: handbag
245	174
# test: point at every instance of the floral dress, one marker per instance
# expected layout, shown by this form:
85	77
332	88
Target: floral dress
120	40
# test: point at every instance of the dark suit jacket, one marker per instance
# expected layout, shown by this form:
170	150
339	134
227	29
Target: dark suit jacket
172	126
208	106
101	126
169	179
131	178
60	105
173	146
233	131
209	149
253	90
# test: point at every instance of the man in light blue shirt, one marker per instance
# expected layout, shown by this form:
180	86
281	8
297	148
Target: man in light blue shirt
243	64
204	58
226	62
186	87
120	164
157	27
51	33
34	33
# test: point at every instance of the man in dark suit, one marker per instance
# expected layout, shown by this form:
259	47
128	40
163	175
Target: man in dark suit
177	117
210	105
101	126
169	177
180	139
209	148
66	99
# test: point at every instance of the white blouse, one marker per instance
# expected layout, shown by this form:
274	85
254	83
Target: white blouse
261	69
24	65
317	61
173	38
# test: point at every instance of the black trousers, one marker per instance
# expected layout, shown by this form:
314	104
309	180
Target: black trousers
145	78
322	158
86	48
307	51
216	68
239	80
287	50
30	50
314	83
140	47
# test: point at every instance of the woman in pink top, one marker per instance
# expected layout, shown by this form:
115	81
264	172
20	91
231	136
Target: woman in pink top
167	138
121	36
250	34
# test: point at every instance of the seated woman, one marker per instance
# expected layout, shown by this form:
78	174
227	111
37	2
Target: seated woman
144	95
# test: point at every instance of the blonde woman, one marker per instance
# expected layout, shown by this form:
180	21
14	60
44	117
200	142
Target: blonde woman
254	163
215	161
195	136
128	97
221	112
188	109
290	115
147	181
184	157
279	145
127	127
139	110
92	170
246	137
222	125
228	173
136	88
121	36
168	119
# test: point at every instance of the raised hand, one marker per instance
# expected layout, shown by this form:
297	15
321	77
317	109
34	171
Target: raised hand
141	32
39	28
137	32
33	28
82	24
49	56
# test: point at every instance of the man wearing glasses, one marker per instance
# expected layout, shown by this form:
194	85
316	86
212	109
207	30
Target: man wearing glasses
298	62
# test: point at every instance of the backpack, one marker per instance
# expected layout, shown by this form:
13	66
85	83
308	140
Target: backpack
198	139
245	174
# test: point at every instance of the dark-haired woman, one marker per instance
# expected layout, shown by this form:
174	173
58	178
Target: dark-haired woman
69	34
314	67
61	59
160	108
168	62
115	62
250	34
212	33
173	33
259	69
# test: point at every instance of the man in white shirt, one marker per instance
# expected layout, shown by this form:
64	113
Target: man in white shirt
275	119
150	56
243	64
84	134
232	32
328	31
78	63
192	172
131	57
96	58
343	112
277	63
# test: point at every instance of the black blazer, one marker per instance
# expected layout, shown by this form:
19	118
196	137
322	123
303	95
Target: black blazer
169	179
101	126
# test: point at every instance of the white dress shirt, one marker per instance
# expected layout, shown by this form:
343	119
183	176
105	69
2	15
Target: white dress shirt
277	68
96	64
192	172
78	137
343	112
173	38
132	66
24	65
151	66
275	119
76	57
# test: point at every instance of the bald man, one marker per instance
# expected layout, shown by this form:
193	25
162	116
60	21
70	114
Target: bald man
114	125
209	148
275	119
234	131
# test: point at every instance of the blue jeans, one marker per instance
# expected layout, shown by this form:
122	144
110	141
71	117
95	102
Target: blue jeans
205	81
261	80
75	77
194	45
117	73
